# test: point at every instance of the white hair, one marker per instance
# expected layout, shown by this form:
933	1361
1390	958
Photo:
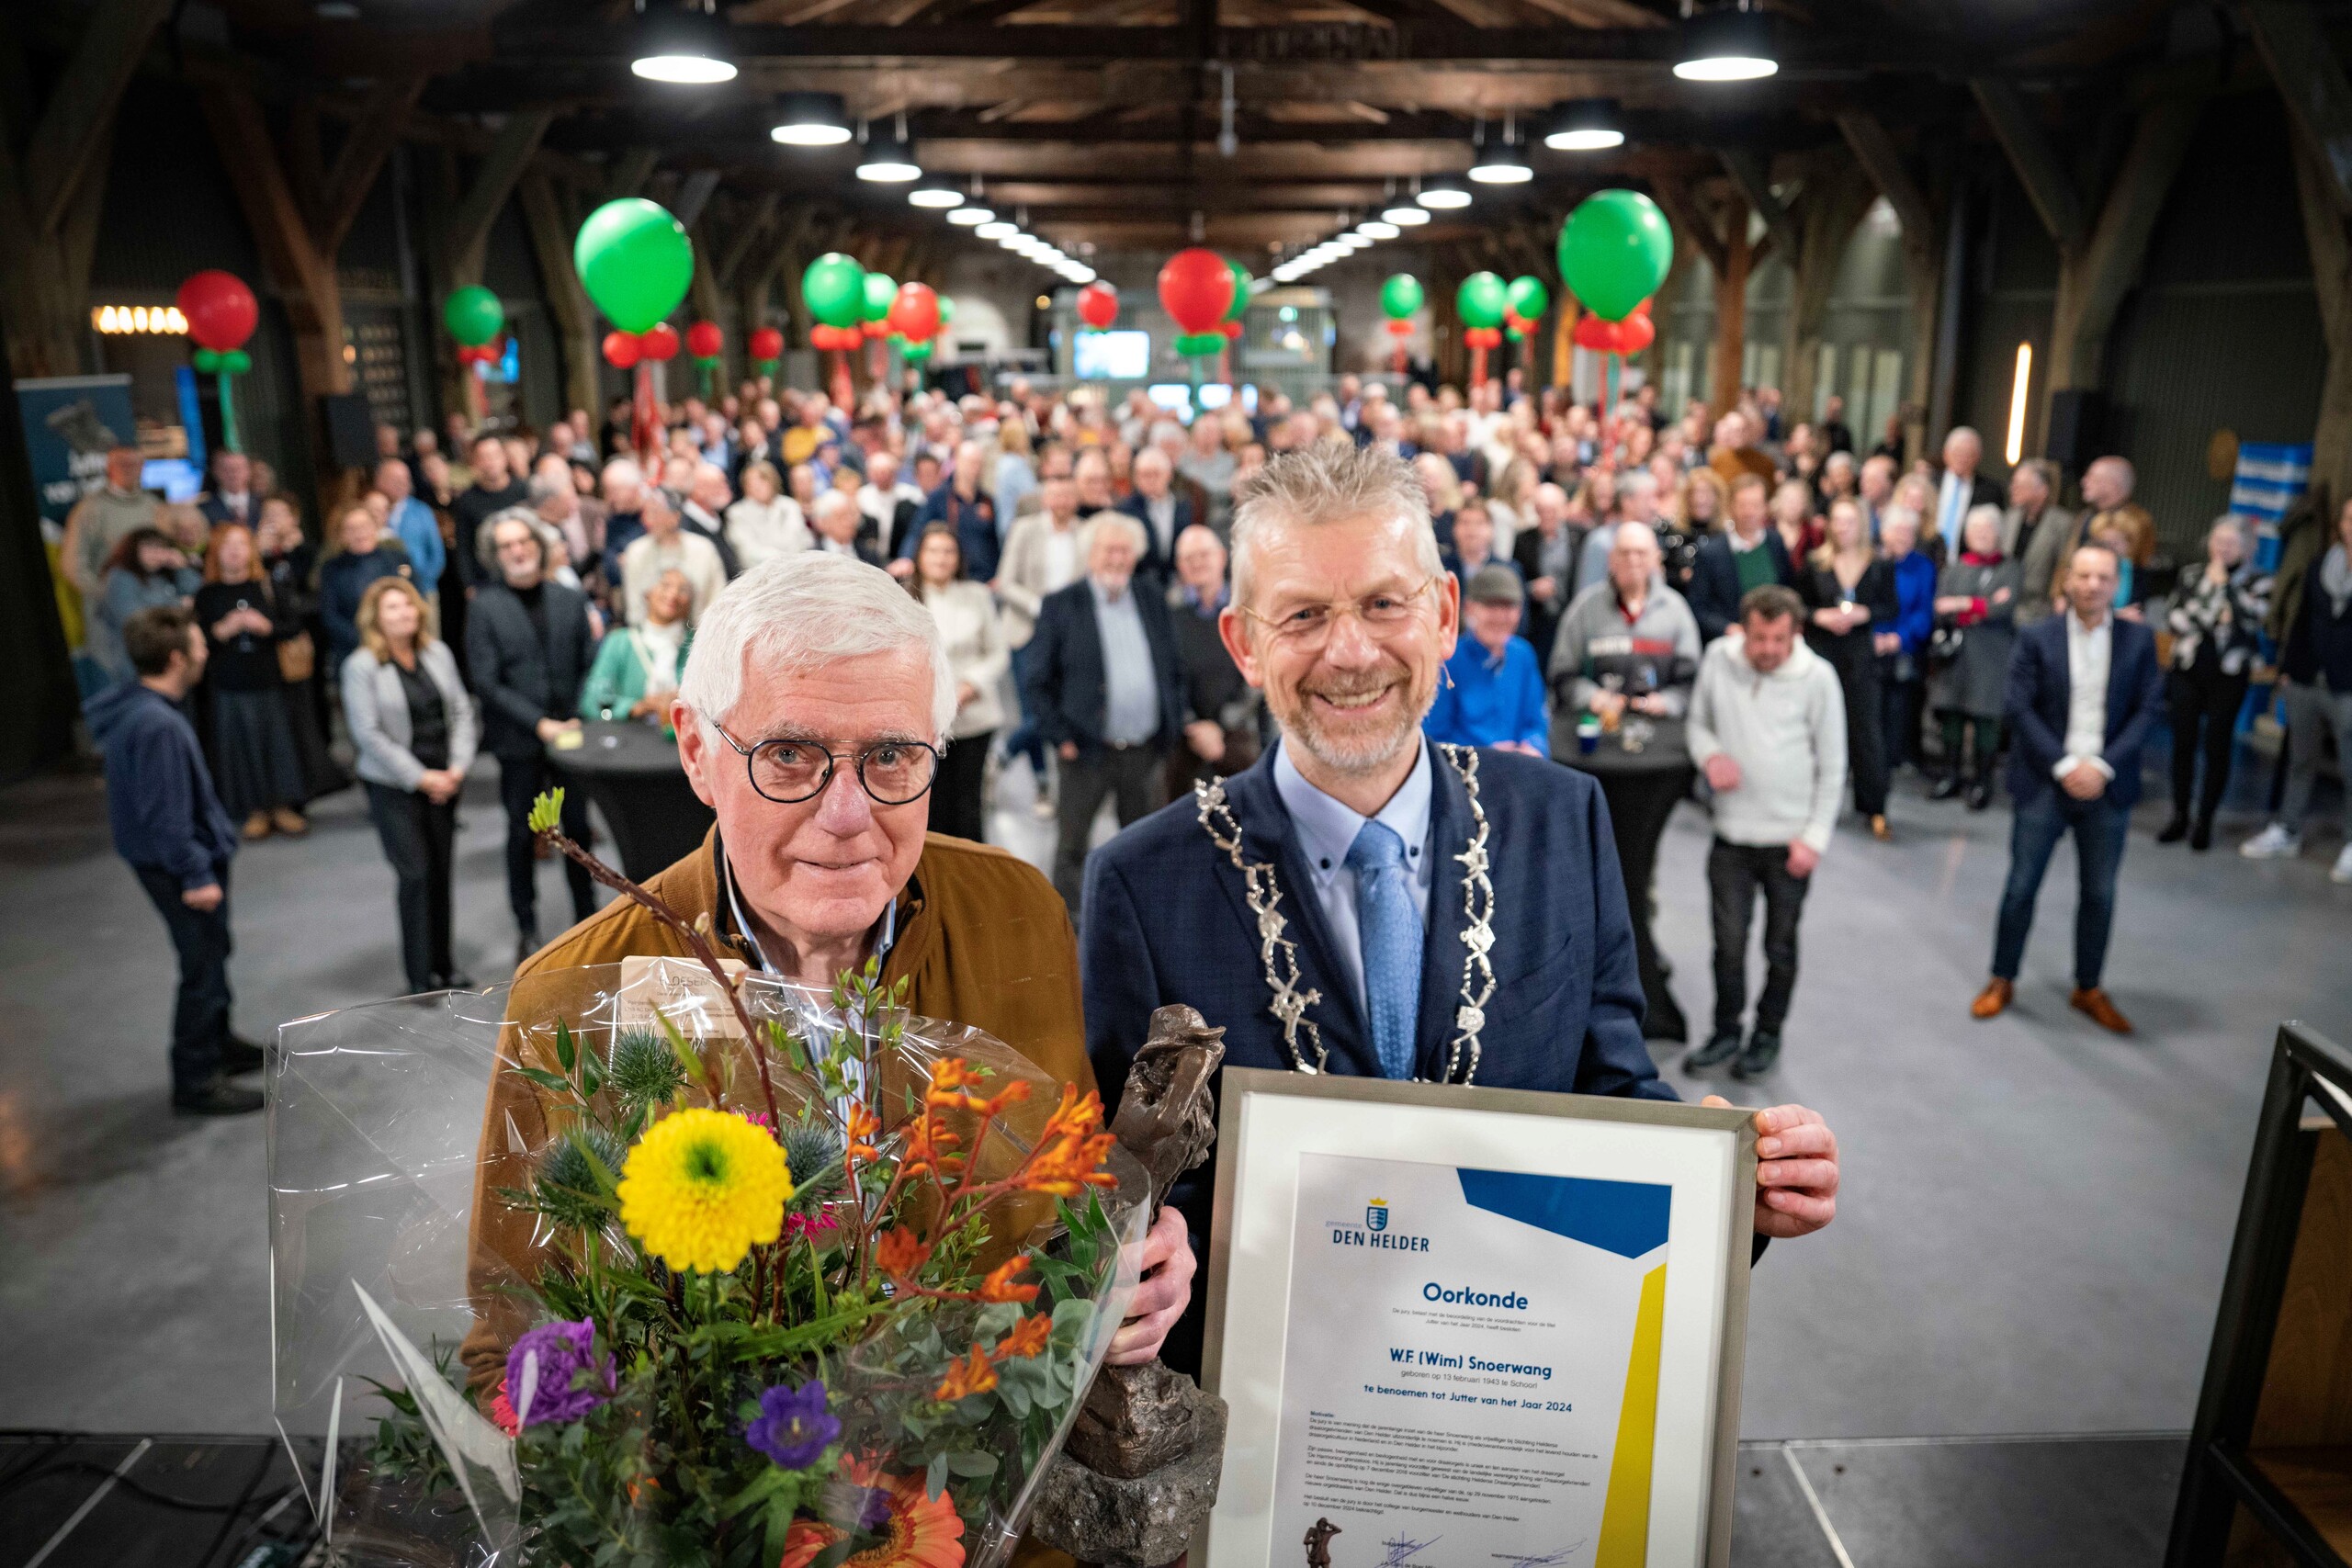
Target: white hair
802	611
830	500
1119	522
625	470
1331	481
1632	534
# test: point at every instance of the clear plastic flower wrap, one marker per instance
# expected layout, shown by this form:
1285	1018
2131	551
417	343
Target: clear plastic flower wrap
576	1272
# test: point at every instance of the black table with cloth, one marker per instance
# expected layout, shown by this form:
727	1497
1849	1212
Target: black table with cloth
631	772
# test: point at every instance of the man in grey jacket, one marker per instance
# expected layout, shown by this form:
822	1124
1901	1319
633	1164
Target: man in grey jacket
1768	726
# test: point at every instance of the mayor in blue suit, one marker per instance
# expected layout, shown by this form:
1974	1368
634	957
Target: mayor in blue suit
1443	913
2084	687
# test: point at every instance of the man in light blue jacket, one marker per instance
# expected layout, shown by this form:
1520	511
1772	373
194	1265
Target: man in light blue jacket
413	523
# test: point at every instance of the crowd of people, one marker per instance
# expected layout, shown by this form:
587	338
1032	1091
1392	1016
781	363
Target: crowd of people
1656	598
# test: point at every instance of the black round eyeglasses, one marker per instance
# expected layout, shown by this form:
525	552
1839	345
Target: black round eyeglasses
791	769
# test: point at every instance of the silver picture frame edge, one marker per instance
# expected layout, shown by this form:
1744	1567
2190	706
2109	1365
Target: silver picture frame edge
1731	1360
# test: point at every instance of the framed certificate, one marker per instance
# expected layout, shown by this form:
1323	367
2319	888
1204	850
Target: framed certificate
1461	1327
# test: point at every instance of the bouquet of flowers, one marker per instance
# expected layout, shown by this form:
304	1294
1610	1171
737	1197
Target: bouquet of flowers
779	1277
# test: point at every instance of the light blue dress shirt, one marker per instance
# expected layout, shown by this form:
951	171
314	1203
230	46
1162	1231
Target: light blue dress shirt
1131	694
1326	827
419	532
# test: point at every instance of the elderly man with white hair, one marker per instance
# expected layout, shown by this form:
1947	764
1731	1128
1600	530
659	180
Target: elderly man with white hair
1104	688
1155	504
667	546
810	717
1439	913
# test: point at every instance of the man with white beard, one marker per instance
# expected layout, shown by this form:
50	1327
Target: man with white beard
1364	901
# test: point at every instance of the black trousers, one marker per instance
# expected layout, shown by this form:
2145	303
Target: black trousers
520	781
201	1010
418	837
956	807
1899	706
2204	705
1865	734
1735	872
1639	805
1131	777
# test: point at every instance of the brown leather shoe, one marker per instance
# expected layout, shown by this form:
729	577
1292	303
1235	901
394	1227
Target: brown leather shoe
1992	999
2092	1003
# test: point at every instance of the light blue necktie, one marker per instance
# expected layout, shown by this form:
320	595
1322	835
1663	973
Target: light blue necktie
1389	936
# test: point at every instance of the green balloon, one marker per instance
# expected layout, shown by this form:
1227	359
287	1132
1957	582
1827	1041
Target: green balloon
236	362
1479	301
1400	296
1614	250
474	316
207	361
834	287
947	310
1191	344
634	261
1528	297
1514	335
1240	292
915	352
880	289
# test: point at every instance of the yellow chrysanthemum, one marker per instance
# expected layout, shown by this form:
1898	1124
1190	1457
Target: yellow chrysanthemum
703	1188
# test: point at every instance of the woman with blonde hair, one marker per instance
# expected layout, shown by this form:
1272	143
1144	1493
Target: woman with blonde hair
412	726
1849	595
255	762
1702	506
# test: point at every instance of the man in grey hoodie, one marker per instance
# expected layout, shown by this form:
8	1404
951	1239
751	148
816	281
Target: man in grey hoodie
1768	726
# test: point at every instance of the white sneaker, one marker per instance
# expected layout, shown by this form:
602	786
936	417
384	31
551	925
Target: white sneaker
2342	871
2274	843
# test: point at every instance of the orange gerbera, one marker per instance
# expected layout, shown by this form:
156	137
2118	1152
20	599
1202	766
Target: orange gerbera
921	1531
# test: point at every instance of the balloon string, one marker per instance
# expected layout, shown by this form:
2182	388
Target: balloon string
229	417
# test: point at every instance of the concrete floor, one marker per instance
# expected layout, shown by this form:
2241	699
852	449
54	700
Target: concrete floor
2034	1225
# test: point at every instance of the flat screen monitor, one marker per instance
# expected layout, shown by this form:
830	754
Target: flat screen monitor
1112	357
179	479
1215	395
1174	396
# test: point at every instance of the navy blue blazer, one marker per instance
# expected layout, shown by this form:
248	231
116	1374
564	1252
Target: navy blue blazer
1166	919
1064	691
2035	707
1161	563
1714	592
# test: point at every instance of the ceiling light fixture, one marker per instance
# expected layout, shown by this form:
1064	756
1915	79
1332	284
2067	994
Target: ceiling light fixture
1584	125
972	217
1734	44
810	120
1501	163
1405	216
937	197
686	48
890	160
1443	195
1375	229
989	227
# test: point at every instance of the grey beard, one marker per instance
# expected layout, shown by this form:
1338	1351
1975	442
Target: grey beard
1368	755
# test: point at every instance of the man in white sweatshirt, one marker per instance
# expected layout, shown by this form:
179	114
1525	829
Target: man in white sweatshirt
1768	727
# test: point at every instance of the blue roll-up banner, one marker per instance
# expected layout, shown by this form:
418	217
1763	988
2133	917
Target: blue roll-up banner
70	421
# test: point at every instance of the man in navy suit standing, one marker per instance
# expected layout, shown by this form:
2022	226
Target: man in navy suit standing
1362	900
2083	689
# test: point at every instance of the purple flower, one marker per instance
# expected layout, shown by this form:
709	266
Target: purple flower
565	1381
792	1428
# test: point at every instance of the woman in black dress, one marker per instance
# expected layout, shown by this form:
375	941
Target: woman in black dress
1848	591
256	763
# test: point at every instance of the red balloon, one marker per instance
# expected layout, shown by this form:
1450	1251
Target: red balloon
221	312
1196	289
704	340
660	341
914	313
1098	305
1400	329
622	351
1232	330
767	343
1636	333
